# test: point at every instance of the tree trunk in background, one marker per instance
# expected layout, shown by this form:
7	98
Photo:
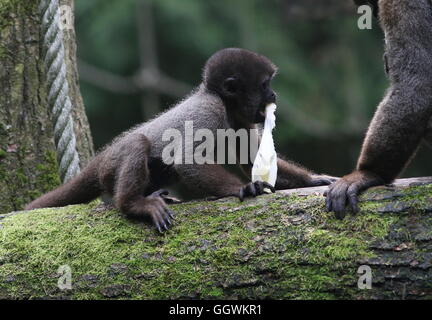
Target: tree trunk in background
28	165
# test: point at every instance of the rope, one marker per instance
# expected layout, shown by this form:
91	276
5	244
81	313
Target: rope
58	89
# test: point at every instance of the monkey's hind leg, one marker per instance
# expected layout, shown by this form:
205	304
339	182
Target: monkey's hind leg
132	181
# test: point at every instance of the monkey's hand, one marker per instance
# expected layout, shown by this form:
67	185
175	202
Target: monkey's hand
321	180
254	189
164	194
346	190
159	212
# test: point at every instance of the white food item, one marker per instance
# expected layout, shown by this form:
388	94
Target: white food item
265	164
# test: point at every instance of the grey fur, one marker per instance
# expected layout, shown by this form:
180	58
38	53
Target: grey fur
403	118
234	92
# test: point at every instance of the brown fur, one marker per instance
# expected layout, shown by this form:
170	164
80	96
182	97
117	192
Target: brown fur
234	91
402	118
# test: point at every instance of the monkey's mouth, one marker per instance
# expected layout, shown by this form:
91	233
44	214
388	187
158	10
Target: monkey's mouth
260	116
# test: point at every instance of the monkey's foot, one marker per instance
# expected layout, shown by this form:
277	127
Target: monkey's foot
254	189
159	212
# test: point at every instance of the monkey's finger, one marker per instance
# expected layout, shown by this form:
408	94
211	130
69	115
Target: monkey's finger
339	204
322	182
259	187
340	215
269	186
160	219
251	189
333	179
164	192
168	220
329	196
327	180
166	217
339	200
353	203
162	224
170	213
164	220
165	226
160	193
353	198
328	201
158	226
339	208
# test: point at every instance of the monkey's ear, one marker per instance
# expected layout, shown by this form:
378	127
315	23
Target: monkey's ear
230	86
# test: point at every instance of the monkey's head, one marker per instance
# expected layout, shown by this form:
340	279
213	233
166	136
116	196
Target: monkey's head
242	79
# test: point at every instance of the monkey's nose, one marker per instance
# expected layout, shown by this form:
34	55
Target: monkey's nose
271	97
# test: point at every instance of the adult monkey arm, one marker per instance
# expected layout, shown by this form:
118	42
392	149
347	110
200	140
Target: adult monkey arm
291	175
213	179
401	121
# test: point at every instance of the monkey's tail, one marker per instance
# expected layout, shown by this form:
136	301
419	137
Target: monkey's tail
81	189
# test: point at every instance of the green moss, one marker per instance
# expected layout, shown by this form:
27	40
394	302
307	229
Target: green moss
272	246
47	177
8	8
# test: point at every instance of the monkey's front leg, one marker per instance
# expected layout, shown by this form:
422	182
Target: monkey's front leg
347	189
393	137
292	176
214	180
131	183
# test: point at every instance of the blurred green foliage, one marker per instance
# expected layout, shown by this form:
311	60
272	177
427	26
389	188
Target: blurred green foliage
330	79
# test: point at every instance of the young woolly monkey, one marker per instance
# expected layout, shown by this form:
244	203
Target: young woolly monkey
233	94
403	119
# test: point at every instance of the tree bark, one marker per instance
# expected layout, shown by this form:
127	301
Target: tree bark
281	246
28	165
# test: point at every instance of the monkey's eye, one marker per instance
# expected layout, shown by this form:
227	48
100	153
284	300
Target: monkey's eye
265	84
231	85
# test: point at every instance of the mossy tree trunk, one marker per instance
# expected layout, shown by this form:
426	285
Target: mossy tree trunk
280	246
28	165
